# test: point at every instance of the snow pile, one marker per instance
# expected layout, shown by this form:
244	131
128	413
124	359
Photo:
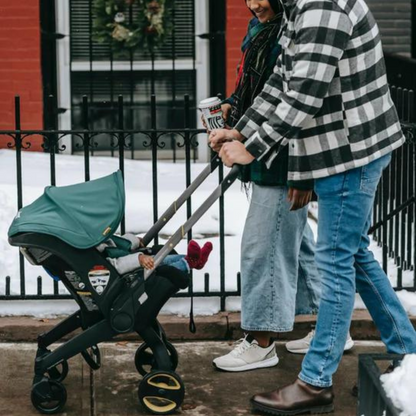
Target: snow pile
139	218
400	386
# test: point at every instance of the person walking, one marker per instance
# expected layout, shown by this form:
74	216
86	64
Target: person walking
278	270
328	101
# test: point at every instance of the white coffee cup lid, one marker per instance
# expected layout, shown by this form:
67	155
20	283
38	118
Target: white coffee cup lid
209	102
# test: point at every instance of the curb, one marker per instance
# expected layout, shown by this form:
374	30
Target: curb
224	326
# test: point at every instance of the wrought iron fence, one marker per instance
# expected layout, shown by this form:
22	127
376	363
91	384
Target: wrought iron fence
121	141
394	208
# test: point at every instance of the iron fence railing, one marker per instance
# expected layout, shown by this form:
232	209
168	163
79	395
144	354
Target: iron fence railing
121	141
394	208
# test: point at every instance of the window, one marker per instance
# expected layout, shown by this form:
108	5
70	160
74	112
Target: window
86	67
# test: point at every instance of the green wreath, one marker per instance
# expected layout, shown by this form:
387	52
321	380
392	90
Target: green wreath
132	24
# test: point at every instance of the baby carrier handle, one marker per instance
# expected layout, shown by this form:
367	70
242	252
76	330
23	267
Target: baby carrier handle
182	231
171	211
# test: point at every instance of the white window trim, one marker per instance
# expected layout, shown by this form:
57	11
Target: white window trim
163	65
64	67
64	71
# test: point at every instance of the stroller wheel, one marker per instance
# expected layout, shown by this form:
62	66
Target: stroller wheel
145	361
48	396
59	372
161	392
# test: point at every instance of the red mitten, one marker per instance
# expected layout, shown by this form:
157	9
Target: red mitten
203	258
194	254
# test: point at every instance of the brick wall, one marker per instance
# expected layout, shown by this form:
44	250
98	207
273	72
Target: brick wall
20	67
238	17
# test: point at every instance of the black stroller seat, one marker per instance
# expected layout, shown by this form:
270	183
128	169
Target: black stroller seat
109	303
128	303
60	232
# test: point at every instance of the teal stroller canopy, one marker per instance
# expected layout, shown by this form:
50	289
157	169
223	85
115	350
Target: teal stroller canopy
83	215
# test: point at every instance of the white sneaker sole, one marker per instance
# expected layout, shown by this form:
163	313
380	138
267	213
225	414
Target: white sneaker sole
271	362
348	345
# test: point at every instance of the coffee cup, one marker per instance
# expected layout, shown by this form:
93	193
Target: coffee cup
212	113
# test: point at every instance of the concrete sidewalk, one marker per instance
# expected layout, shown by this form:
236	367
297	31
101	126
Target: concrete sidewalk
223	326
112	390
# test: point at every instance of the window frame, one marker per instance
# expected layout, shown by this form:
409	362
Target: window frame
65	66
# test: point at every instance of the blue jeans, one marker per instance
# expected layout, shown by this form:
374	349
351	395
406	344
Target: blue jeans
278	271
176	260
346	264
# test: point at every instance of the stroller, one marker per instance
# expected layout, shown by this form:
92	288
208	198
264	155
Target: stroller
60	231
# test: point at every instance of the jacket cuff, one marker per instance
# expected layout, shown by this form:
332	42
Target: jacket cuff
305	185
229	100
246	126
256	147
125	264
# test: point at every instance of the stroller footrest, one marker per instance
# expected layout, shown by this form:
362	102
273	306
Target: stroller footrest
125	307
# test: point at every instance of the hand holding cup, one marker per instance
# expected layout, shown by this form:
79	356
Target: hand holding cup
226	110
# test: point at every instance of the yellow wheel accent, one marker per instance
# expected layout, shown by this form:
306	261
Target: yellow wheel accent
163	385
161	392
162	408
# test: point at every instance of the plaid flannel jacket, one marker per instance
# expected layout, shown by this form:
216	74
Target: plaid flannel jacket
328	97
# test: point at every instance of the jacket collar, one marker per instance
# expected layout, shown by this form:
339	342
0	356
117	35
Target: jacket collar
288	5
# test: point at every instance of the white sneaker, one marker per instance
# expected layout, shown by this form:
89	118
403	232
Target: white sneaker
247	355
301	346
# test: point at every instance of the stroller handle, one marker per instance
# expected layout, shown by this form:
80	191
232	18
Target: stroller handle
171	211
182	231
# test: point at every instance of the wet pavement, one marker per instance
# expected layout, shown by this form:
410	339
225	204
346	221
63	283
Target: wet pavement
113	389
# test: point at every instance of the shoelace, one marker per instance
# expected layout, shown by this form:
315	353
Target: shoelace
241	346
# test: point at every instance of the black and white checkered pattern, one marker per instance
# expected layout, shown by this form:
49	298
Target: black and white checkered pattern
328	97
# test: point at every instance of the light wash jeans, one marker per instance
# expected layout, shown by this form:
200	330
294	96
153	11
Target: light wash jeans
176	260
345	263
278	272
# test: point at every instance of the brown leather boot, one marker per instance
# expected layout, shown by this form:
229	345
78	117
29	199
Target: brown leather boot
295	399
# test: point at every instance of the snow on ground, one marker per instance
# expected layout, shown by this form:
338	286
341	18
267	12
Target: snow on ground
139	218
400	385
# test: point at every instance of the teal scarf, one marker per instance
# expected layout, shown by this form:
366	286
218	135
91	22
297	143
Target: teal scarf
260	49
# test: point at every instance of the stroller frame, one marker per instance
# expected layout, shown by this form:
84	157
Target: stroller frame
124	298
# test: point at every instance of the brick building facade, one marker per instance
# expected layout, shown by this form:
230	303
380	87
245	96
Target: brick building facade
21	66
238	17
